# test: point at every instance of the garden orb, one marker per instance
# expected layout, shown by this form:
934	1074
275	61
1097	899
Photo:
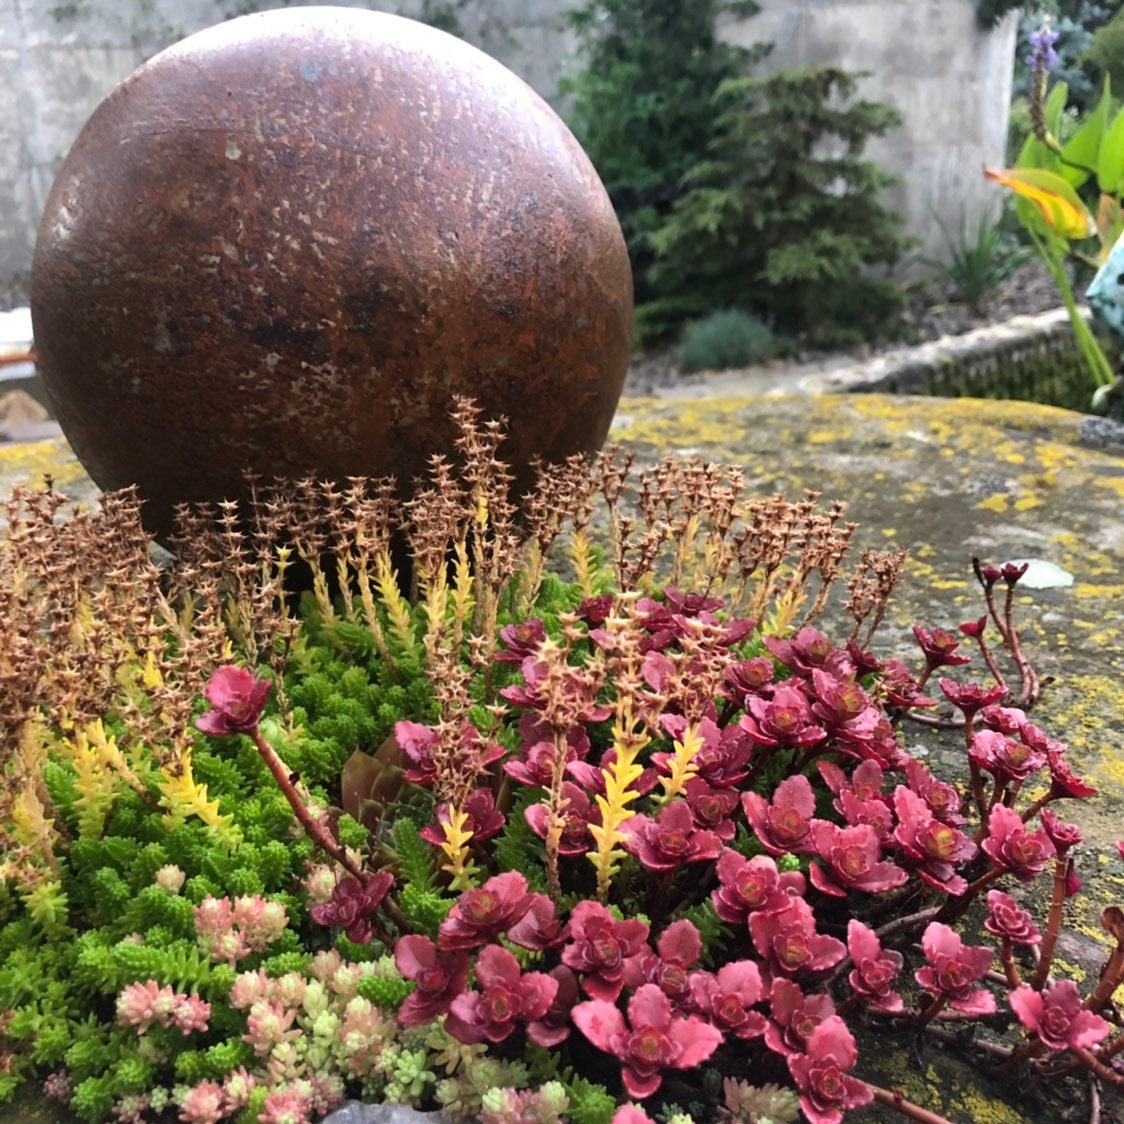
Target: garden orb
287	242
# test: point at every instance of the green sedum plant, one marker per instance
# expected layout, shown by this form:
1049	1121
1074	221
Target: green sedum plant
729	338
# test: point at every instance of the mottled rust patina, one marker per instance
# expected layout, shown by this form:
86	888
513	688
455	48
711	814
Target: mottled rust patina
286	242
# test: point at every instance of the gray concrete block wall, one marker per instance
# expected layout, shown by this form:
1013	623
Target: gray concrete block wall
59	58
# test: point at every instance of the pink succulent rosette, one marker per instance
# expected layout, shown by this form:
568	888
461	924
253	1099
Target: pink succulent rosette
650	1042
237	701
1056	1016
826	1089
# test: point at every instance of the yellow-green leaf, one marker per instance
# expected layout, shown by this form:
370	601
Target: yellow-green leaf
1110	165
1084	147
1055	107
1057	202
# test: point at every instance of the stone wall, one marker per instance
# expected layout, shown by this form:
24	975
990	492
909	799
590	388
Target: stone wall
59	58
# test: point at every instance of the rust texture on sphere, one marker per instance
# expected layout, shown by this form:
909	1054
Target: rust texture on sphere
286	243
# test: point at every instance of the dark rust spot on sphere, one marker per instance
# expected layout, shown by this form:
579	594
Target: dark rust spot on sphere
287	242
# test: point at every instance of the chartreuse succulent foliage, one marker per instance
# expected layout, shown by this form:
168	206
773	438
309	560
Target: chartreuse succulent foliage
640	843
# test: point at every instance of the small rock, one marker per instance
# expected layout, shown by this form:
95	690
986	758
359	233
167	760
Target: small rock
355	1113
17	407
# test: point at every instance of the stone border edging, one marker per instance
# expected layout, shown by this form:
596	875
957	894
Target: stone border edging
975	354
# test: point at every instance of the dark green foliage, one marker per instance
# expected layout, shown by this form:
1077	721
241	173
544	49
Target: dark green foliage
642	108
426	909
517	847
727	338
784	216
414	855
1105	53
990	12
978	262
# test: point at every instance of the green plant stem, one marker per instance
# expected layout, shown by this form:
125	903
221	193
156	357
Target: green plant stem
315	830
1091	351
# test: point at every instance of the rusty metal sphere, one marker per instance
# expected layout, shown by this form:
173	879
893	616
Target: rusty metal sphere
285	243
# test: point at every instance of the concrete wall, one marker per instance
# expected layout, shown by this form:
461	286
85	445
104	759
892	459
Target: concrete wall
59	58
929	59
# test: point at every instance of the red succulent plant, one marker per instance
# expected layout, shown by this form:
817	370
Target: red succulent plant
237	701
484	819
578	813
751	884
783	826
793	1017
598	946
507	996
851	859
480	915
1057	1016
786	939
671	840
939	647
440	977
650	1042
1009	922
929	845
786	719
1011	847
954	969
679	948
352	904
726	998
875	969
826	1089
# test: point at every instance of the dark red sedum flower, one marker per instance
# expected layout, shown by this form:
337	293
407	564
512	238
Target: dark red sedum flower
751	884
851	859
539	928
1003	757
577	816
721	761
807	650
237	700
1057	1017
971	698
786	939
826	1089
554	1026
655	1041
1008	922
727	997
484	820
352	903
680	947
712	807
794	1017
440	978
480	915
507	996
954	969
598	947
939	648
1011	847
520	641
875	969
929	845
784	720
1062	835
671	840
785	825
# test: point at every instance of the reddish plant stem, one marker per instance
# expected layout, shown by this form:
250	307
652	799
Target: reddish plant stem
929	1013
1110	980
315	830
893	1099
1010	968
1030	689
1110	1076
956	1038
1053	925
992	665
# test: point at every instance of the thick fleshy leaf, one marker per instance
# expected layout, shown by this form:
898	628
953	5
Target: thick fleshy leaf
697	1041
680	942
649	1007
600	1022
1059	205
